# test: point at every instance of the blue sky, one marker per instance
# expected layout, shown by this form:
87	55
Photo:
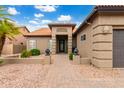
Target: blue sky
35	17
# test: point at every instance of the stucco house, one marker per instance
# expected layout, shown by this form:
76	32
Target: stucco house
58	37
100	37
18	44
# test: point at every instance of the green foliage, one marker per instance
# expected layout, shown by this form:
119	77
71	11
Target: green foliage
35	52
25	54
71	56
8	28
1	61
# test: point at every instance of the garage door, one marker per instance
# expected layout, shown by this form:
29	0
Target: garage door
118	48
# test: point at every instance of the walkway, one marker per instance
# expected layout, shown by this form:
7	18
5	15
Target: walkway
62	74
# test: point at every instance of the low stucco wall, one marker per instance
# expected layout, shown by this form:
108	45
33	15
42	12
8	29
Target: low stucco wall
44	60
85	61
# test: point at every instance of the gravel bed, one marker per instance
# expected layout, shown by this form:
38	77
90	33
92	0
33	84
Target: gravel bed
23	75
90	71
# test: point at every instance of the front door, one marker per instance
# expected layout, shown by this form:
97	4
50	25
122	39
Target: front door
61	45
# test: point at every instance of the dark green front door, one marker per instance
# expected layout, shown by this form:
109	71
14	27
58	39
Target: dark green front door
61	45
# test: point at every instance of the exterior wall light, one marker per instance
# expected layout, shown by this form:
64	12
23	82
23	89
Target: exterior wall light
105	30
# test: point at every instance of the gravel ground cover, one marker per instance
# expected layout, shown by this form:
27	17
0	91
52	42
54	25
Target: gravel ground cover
23	75
62	73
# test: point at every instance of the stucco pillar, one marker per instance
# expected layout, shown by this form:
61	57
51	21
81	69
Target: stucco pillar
53	44
69	43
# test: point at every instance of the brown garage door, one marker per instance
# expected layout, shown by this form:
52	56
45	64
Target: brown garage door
118	48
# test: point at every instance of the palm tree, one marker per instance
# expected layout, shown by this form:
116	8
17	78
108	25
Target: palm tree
3	14
7	28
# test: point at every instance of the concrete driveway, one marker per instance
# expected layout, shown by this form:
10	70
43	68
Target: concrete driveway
62	73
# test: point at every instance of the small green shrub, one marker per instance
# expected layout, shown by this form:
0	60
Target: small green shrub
71	56
1	61
35	52
25	54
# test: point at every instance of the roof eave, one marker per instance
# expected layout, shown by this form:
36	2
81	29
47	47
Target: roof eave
61	25
37	35
98	9
86	20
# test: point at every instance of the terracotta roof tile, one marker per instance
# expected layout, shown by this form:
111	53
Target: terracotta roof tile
40	32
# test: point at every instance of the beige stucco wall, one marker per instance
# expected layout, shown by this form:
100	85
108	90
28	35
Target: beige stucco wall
98	45
7	49
12	49
111	19
85	46
41	42
102	46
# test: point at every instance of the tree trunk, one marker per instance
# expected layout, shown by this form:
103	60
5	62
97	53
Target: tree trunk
2	41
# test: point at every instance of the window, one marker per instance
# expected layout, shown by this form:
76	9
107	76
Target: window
83	37
32	44
50	45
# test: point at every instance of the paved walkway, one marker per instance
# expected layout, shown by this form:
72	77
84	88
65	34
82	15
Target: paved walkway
62	74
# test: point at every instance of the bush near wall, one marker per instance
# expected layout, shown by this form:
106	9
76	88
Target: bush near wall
25	54
1	61
71	56
35	52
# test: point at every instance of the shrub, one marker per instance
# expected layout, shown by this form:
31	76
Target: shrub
1	61
35	52
71	56
25	54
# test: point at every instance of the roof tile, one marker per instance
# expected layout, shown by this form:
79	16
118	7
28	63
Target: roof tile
40	32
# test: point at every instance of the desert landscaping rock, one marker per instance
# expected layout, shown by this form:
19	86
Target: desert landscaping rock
62	73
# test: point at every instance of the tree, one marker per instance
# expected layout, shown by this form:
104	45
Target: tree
3	13
7	28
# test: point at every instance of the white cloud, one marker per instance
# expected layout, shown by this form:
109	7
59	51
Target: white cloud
46	8
12	11
64	18
32	27
39	15
35	27
36	24
46	21
33	22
